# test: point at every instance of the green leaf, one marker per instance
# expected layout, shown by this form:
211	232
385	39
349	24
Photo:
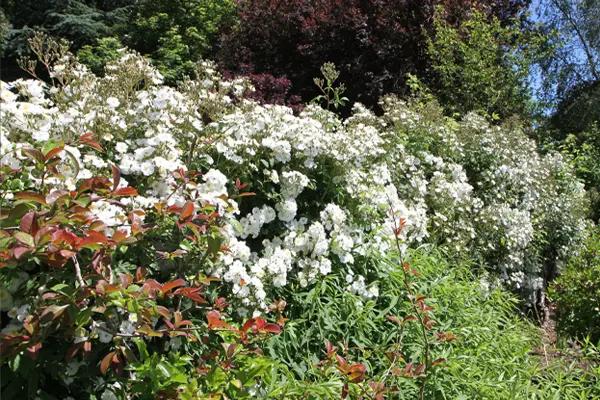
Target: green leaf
59	287
14	215
24	238
74	162
51	144
142	349
16	362
83	317
164	370
214	244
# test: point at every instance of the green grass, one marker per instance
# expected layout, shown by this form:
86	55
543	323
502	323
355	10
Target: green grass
490	359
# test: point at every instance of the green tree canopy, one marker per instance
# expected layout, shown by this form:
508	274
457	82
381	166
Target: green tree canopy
483	65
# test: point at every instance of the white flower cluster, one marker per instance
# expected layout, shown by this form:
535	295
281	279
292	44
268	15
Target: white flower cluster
329	192
492	195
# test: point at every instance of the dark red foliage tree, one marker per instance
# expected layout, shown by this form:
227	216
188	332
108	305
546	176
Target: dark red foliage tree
374	43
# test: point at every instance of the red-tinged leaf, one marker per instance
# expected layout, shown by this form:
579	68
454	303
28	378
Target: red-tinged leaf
356	372
446	336
192	294
151	286
63	236
330	349
179	173
167	287
66	253
136	225
221	303
239	185
55	195
88	139
30	196
53	152
202	370
438	362
199	232
125	192
146	330
345	391
24	238
116	175
92	239
214	321
84	185
342	364
379	389
34	351
169	324
259	325
139	213
106	362
179	321
126	280
420	369
56	260
140	274
28	326
20	251
98	226
98	261
52	312
271	328
29	223
34	154
44	235
186	211
174	209
50	295
100	287
247	325
164	311
231	350
429	323
52	165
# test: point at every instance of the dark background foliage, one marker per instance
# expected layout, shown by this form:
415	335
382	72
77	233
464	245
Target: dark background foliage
80	22
373	43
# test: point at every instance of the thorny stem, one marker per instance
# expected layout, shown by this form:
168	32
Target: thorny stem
411	298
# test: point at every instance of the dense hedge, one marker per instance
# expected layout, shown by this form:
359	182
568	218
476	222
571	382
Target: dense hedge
158	233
